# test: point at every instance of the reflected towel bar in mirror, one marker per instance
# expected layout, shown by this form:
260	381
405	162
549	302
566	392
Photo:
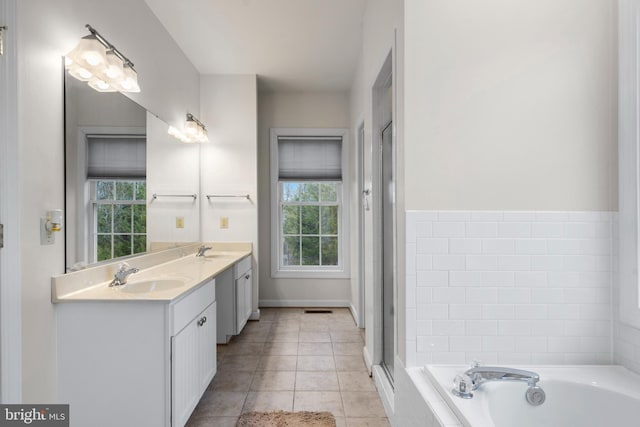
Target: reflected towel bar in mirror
243	196
194	196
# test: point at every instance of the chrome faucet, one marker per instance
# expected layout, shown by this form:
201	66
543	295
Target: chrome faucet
202	249
120	278
474	377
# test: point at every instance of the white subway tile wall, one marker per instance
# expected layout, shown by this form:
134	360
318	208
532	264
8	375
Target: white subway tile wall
512	288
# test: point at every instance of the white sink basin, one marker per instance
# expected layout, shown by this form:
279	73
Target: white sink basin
148	286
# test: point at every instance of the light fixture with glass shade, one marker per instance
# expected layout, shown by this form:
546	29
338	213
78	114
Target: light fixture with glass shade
98	62
193	131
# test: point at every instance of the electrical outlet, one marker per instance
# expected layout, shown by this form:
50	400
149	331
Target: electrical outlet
179	222
224	222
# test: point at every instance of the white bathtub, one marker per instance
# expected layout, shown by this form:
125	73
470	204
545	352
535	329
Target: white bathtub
577	396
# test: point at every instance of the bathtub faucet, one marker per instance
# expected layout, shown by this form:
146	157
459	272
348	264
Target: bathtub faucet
474	377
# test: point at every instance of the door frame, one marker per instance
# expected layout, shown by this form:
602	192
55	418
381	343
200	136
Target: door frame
363	205
10	301
380	119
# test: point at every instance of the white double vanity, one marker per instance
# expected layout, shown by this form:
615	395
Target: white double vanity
143	353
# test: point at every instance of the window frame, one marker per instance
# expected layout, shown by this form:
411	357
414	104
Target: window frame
628	236
93	223
341	271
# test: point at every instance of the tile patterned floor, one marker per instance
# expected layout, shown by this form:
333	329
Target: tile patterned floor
293	361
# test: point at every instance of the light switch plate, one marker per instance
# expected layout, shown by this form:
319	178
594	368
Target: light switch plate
224	222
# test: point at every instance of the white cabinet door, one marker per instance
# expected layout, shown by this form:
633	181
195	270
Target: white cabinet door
243	300
240	303
248	295
193	352
207	346
185	372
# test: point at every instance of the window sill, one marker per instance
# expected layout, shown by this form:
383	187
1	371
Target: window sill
310	274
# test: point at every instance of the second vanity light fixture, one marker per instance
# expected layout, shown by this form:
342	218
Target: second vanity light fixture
194	131
96	61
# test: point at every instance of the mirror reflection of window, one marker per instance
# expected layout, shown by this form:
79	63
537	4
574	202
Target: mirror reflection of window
116	172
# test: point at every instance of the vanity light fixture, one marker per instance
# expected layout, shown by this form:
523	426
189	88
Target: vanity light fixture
96	61
194	131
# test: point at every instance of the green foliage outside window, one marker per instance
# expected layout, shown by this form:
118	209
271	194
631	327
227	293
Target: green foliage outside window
309	221
120	218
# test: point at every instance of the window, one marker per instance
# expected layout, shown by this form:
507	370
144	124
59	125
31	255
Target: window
310	218
309	222
116	172
119	218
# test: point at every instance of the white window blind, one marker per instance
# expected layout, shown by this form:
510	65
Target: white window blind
116	156
310	158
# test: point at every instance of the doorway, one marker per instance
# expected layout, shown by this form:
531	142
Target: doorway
384	220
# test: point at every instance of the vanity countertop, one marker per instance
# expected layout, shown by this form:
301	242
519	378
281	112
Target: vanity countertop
189	271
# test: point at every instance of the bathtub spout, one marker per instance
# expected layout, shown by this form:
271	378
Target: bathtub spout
480	374
474	377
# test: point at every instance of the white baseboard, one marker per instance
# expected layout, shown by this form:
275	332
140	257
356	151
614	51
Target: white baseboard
354	313
385	390
367	359
255	315
303	303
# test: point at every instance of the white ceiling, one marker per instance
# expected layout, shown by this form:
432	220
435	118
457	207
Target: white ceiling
292	45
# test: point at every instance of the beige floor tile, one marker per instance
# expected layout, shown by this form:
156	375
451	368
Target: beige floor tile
220	404
316	363
367	422
286	336
356	381
317	381
350	363
268	315
341	422
315	349
212	421
306	336
277	363
231	381
274	381
280	349
239	363
342	336
343	326
347	348
319	401
245	347
362	404
285	326
314	327
257	327
252	337
268	401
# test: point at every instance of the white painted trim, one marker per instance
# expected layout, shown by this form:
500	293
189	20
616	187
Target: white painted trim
303	303
385	78
363	200
10	277
354	312
255	315
385	390
629	164
343	270
367	360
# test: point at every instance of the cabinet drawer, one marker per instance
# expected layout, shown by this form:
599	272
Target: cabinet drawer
241	267
190	306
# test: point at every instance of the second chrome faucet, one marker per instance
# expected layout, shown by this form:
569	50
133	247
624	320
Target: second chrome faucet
120	278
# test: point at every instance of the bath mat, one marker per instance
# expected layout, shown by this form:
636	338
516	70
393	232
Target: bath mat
286	419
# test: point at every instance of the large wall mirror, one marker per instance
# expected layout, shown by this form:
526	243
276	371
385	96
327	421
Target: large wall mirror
130	186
